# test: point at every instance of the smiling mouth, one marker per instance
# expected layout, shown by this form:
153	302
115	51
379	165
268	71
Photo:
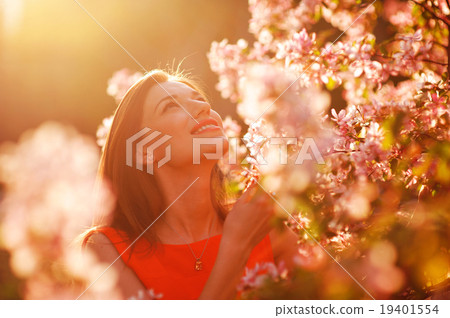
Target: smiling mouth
205	128
205	125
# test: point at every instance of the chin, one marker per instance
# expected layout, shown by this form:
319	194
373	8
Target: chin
211	153
226	146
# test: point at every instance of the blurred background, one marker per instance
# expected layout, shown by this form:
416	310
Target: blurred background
55	61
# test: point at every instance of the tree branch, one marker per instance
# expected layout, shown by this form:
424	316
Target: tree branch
439	44
423	60
434	62
442	18
394	40
448	53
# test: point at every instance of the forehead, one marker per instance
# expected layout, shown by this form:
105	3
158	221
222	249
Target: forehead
161	90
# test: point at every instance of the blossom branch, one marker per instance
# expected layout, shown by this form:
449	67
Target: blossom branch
442	18
440	44
423	60
430	61
448	51
395	40
341	151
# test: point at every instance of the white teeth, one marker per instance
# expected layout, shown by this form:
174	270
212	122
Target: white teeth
203	128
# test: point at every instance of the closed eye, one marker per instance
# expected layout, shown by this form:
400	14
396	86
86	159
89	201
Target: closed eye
170	104
201	99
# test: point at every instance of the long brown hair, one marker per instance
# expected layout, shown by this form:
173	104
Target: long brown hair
139	199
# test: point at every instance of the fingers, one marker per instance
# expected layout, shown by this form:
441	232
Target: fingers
260	196
250	193
255	194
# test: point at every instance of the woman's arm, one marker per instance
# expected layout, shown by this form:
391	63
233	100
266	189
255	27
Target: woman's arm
233	256
245	226
128	284
227	271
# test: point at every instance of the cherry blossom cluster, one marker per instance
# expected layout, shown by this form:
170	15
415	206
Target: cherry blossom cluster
256	276
49	178
385	148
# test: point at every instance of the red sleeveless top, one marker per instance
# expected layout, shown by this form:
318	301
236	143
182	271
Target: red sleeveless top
170	269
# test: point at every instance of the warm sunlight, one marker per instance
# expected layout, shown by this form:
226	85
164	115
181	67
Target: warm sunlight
226	150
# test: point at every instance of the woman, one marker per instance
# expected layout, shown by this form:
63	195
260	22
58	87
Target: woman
188	245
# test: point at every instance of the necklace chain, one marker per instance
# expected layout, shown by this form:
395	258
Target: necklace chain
198	263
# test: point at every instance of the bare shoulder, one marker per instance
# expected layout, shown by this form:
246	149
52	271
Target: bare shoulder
284	245
127	281
100	244
97	239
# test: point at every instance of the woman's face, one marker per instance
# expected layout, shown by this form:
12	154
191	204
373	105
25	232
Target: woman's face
162	112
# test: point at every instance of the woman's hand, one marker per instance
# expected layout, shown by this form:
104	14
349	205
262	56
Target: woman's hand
246	225
248	222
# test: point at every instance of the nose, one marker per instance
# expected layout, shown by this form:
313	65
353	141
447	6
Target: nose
201	108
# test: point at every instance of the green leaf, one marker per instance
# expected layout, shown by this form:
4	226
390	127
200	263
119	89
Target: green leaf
343	67
331	84
318	14
388	139
416	10
421	169
443	172
421	21
383	50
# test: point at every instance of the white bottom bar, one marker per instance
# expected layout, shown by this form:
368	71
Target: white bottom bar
231	308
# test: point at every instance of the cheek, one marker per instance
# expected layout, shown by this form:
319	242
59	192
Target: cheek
217	117
168	126
177	140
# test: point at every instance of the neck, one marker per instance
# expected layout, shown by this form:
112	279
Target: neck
189	210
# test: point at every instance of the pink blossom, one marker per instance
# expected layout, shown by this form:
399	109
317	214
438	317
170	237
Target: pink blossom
398	13
297	47
299	222
395	97
120	82
227	60
103	130
341	240
311	257
51	197
256	276
231	127
148	294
